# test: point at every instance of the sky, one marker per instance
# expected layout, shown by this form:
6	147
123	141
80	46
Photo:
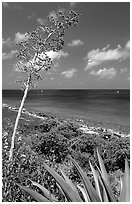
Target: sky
96	54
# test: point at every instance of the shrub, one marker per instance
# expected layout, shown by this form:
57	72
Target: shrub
101	193
51	145
114	151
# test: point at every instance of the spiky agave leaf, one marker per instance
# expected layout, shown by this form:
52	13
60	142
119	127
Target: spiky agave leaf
100	188
46	193
70	194
38	197
62	192
105	178
92	194
125	190
68	180
84	193
102	167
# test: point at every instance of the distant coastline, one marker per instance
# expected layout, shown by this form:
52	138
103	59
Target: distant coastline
102	107
85	128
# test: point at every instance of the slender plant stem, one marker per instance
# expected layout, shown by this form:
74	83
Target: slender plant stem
17	119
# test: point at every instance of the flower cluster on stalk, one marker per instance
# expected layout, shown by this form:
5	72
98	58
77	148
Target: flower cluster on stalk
36	44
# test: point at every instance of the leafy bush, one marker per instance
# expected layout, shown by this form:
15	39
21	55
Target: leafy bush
101	193
46	126
69	130
51	145
114	151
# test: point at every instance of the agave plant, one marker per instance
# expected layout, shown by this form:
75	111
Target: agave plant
102	191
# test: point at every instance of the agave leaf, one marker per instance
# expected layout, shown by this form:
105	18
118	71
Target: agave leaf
105	196
70	194
108	190
125	191
105	178
66	199
38	197
103	170
68	180
96	181
46	193
99	185
86	182
121	183
85	195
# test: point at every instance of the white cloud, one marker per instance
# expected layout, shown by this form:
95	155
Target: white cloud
69	73
11	6
96	56
41	21
7	42
9	55
105	73
73	4
20	37
75	43
31	16
128	45
56	55
53	14
17	38
5	4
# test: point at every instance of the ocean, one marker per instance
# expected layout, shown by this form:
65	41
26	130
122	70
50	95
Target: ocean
109	108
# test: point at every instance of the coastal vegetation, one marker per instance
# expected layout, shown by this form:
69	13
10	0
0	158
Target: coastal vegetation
48	140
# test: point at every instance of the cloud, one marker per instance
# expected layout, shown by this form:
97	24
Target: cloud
31	16
105	73
11	5
73	4
7	42
41	21
20	37
17	38
75	43
5	4
56	55
69	73
96	56
9	55
128	45
53	14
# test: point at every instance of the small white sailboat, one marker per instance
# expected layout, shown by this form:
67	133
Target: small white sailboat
118	91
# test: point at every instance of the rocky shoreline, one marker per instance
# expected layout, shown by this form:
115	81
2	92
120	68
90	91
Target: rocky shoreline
107	132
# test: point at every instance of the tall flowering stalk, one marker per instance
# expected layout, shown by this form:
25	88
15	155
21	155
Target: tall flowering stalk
33	54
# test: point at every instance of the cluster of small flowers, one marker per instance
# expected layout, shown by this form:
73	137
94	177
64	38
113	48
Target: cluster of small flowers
32	53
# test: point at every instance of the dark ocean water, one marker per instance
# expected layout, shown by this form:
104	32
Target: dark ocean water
102	106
